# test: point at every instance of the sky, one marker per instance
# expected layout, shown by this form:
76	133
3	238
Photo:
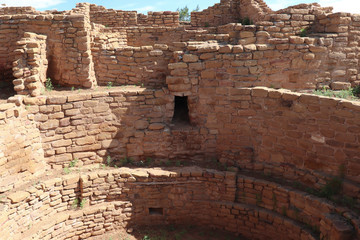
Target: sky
144	6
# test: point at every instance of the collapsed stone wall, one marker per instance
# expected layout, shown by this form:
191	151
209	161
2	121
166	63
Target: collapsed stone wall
221	13
230	11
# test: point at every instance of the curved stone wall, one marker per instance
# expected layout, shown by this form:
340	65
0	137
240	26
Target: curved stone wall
85	204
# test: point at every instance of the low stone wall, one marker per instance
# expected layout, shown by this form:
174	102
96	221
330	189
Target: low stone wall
157	19
111	17
90	204
304	208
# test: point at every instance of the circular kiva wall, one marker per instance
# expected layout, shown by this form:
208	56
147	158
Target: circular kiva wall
86	204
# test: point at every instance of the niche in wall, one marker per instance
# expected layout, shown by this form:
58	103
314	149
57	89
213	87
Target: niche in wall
181	111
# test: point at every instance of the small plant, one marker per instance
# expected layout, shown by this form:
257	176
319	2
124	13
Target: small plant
346	94
108	160
75	203
178	163
168	162
109	85
303	32
146	237
78	204
124	161
48	85
66	170
73	162
246	21
148	161
72	88
356	91
207	24
332	187
82	203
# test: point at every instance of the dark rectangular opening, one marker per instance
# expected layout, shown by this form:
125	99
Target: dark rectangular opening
156	211
6	84
181	111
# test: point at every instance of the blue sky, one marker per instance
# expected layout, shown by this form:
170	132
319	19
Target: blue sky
160	5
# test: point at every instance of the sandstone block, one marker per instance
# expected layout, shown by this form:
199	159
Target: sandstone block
340	85
18	196
190	58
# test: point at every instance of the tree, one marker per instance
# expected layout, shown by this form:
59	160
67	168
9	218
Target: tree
196	9
184	13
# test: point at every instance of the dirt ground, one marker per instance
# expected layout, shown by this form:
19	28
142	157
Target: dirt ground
170	232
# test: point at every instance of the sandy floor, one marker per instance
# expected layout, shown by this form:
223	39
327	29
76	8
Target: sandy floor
170	232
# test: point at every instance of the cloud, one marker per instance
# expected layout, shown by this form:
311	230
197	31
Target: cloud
351	6
145	9
34	3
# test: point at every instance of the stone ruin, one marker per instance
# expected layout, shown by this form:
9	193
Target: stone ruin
210	92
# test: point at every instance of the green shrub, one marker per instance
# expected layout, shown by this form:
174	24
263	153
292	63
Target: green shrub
246	21
303	32
48	85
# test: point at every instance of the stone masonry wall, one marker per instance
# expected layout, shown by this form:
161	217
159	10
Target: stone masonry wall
230	11
21	153
122	197
303	137
91	126
157	19
31	64
119	18
221	13
111	17
68	54
143	66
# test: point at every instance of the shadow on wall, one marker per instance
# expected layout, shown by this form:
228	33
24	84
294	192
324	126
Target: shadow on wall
150	123
6	85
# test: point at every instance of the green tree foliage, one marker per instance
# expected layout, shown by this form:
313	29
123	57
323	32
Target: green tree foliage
184	13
